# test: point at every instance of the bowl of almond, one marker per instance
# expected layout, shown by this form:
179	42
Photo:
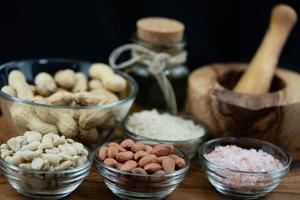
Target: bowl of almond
141	169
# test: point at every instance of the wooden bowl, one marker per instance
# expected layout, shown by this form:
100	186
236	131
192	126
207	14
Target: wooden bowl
274	116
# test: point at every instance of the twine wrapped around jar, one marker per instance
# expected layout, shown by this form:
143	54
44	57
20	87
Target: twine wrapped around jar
156	63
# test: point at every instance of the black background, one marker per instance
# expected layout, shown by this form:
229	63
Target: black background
217	30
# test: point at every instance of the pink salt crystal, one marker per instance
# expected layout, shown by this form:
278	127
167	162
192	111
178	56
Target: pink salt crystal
248	160
236	158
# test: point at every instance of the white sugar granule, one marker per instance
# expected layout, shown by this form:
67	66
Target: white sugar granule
154	125
246	160
237	158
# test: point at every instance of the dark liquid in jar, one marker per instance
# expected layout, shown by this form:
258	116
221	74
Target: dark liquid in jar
150	95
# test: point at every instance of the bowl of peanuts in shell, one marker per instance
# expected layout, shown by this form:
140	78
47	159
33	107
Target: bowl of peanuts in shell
76	99
135	169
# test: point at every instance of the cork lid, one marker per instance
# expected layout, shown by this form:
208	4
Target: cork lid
160	30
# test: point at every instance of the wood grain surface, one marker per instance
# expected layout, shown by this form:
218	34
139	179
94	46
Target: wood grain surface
195	186
271	116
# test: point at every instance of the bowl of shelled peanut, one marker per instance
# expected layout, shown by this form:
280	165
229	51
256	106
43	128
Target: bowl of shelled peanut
45	166
75	99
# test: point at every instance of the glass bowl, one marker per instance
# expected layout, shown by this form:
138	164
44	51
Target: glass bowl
31	68
45	184
189	147
139	186
243	184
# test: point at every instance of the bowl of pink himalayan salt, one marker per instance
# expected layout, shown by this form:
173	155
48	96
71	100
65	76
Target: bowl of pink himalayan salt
243	168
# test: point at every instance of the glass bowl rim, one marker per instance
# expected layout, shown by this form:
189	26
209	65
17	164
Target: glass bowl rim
81	168
203	160
129	79
176	173
184	116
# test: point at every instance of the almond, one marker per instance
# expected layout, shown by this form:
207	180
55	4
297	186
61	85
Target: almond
148	149
112	151
139	146
119	165
103	153
114	144
152	167
127	144
158	178
129	165
122	149
180	163
147	159
159	172
138	170
168	165
110	162
124	156
173	156
161	158
138	155
162	149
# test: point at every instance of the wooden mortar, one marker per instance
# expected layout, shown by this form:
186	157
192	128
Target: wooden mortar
259	74
273	116
256	100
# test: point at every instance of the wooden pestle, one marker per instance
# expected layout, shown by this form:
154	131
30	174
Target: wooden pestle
259	74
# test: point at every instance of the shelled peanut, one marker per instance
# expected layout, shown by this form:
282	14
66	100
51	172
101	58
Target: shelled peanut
66	88
49	152
140	158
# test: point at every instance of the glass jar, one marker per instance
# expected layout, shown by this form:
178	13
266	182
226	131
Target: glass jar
151	95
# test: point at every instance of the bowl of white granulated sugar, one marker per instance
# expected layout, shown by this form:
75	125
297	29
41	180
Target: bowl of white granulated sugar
243	168
184	132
